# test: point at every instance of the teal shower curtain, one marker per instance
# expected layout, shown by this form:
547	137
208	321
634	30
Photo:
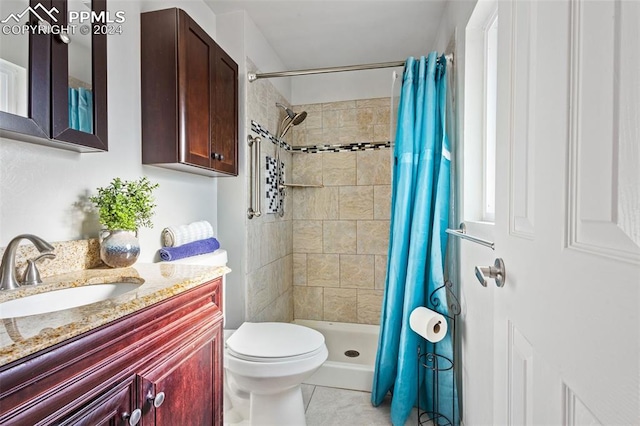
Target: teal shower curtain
417	242
81	109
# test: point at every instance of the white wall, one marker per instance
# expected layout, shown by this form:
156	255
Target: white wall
232	193
40	186
343	86
476	319
264	57
240	38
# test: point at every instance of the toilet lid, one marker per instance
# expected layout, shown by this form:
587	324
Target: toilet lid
274	340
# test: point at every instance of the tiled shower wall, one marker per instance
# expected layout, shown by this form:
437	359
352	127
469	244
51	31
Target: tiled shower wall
341	230
364	120
269	239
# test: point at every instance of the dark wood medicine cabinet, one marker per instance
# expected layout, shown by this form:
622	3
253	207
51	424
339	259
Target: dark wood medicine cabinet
189	97
45	71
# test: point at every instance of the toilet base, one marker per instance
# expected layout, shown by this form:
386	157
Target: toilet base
281	409
236	404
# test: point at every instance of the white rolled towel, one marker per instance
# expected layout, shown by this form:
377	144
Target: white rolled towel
174	236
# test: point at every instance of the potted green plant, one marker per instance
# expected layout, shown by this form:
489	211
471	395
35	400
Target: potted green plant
123	207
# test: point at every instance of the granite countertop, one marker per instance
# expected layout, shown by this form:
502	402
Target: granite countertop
23	336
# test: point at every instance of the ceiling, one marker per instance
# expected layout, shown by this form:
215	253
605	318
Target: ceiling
324	33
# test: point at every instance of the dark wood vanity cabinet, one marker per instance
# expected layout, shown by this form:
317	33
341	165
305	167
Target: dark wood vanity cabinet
162	363
50	69
189	97
186	386
113	408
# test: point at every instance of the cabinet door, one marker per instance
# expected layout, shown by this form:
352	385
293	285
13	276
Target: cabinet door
25	80
225	132
189	97
186	386
196	70
79	80
113	408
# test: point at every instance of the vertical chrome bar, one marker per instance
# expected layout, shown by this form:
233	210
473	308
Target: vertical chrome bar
250	209
256	174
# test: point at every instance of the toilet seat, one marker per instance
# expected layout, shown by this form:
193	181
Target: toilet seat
271	342
264	360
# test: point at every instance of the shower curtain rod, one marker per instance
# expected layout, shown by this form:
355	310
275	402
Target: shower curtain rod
254	76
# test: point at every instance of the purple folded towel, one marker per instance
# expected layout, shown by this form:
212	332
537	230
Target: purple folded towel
195	248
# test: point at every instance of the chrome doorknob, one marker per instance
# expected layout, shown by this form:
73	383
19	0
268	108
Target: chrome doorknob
497	272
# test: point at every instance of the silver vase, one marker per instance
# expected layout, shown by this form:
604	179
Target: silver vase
118	248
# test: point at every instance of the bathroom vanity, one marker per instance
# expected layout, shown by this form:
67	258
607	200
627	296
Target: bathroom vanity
149	356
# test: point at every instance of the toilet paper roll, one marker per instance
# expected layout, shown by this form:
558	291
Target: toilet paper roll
428	324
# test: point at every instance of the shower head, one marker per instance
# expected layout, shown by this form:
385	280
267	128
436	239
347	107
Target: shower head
291	119
297	119
290	113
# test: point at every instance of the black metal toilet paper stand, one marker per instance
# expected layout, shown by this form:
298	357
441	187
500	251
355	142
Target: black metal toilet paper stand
438	366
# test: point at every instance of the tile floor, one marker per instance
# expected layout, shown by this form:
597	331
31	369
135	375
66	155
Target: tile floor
325	406
341	407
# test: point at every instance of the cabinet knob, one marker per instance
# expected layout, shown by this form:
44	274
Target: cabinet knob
220	157
217	156
134	417
156	400
62	35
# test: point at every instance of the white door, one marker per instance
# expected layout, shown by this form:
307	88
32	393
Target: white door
566	332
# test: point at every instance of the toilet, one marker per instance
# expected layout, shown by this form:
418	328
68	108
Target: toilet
265	363
268	362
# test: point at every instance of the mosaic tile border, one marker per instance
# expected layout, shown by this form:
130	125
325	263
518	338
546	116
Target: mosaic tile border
348	147
256	127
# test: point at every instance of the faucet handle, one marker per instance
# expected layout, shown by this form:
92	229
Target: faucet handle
31	274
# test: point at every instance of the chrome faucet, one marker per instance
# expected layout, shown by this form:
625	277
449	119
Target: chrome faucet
8	279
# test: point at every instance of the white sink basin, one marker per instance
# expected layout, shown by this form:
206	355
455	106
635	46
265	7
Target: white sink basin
59	300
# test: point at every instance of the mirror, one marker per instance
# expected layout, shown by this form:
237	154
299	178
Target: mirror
53	73
80	72
79	77
14	57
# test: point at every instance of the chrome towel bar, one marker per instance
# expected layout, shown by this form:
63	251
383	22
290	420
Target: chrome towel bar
462	233
255	200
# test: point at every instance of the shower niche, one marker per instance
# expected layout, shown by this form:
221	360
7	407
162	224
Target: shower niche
189	97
